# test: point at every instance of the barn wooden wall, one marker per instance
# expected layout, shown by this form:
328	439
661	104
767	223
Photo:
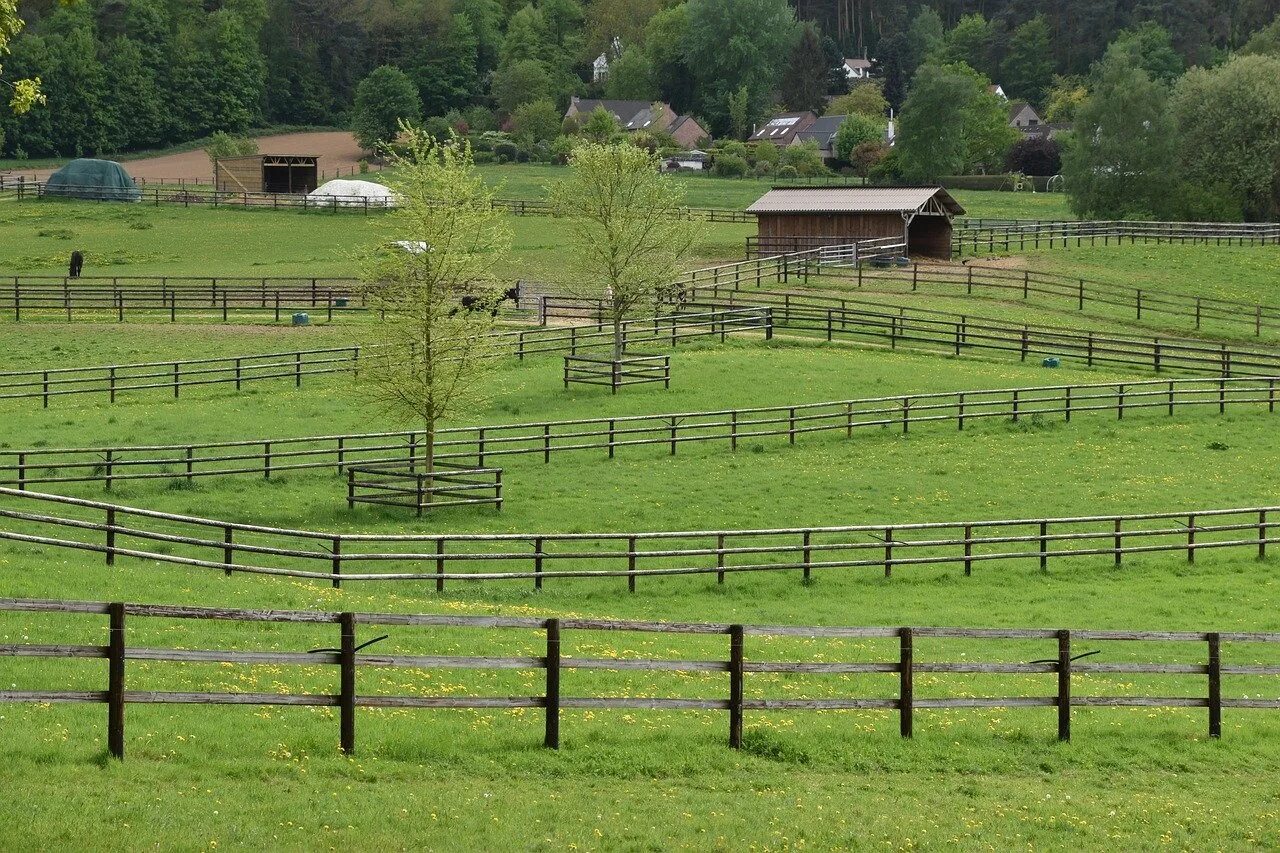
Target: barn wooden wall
240	174
930	236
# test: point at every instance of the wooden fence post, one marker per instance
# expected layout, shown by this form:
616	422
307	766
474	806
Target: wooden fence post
1191	539
1215	685
111	536
537	563
1262	534
631	564
347	694
968	550
115	680
552	738
1044	544
906	686
336	562
1064	685
735	686
888	551
440	565
807	554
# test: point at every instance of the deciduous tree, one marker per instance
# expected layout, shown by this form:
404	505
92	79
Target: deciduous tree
442	242
384	99
630	230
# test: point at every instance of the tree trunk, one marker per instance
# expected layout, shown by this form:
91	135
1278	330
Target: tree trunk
617	338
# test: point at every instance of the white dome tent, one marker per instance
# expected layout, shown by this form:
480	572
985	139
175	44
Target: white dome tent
353	194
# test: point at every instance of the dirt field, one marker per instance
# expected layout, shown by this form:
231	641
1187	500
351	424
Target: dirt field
338	152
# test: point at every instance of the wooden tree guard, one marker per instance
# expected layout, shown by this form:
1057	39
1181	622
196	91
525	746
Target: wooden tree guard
401	484
631	369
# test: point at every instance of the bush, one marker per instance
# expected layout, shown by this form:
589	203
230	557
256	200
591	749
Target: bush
506	151
561	147
383	99
763	169
536	121
867	156
479	119
735	149
765	152
788	172
223	144
729	166
481	157
805	159
1035	155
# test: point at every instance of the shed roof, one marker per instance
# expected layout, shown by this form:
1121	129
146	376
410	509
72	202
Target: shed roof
853	200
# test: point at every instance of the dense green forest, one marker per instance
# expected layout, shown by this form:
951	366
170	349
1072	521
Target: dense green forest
135	74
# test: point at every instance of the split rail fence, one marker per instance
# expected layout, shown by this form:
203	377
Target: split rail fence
109	529
113	380
188	195
1068	292
476	446
889	685
991	235
957	334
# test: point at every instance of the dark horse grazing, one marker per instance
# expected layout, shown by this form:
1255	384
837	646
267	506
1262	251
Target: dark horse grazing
77	264
476	303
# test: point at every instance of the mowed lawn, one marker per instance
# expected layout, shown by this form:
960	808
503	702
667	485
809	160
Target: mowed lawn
204	777
269	777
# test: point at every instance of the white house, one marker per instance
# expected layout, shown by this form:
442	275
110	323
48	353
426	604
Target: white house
857	69
998	90
600	65
599	68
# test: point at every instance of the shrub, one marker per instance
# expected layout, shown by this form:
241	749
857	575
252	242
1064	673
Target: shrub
1035	155
729	166
763	169
506	151
765	152
735	149
223	144
788	172
805	159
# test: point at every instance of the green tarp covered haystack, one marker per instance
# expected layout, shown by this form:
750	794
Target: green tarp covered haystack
95	179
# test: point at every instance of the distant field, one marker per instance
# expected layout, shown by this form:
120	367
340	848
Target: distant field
530	182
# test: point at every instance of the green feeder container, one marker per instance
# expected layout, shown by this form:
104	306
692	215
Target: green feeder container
301	319
1051	361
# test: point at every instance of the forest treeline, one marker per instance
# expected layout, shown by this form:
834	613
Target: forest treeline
136	74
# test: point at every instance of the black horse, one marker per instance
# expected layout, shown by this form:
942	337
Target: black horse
477	303
77	264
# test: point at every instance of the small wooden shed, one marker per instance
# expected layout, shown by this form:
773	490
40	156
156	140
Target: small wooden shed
267	173
793	219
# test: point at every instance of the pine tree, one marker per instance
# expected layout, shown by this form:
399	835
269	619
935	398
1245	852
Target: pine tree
1028	68
804	85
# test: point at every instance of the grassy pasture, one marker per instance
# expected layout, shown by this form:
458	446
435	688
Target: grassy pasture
269	777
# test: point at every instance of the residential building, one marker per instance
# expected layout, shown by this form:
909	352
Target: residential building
857	69
1023	116
643	115
781	130
823	132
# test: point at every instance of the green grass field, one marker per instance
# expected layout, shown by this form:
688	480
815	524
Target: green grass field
645	780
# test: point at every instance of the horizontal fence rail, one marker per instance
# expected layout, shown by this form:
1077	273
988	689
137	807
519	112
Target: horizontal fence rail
992	235
116	531
727	428
958	334
1060	291
172	376
188	195
1190	666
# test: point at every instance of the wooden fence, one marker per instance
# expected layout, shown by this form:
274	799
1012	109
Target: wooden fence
1059	291
107	529
124	296
726	428
188	195
957	334
991	235
172	376
1051	681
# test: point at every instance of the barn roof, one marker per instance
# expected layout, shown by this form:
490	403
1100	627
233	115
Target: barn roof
854	200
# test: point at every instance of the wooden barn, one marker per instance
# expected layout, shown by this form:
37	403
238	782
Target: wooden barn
266	173
792	219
